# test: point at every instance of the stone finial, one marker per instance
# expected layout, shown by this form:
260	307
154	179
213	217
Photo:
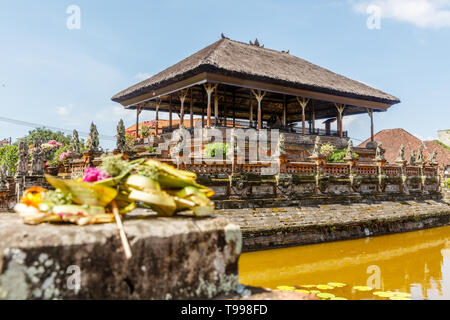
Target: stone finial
412	158
37	159
3	178
75	143
282	144
94	141
433	157
316	152
120	138
420	158
401	155
349	154
22	164
379	153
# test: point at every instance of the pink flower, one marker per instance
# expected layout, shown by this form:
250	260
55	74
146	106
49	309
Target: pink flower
94	174
52	142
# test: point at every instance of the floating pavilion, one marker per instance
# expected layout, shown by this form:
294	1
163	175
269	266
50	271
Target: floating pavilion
232	83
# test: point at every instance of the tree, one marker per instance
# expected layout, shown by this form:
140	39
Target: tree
45	135
9	155
121	140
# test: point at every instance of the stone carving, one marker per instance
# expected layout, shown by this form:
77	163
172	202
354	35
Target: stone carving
420	159
412	158
282	144
401	155
433	157
37	159
75	143
316	152
22	164
349	154
93	142
3	178
379	153
120	138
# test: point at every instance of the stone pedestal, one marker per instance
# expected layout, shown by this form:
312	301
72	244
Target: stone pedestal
173	258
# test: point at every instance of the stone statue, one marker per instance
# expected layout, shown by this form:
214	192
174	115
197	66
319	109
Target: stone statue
349	154
379	154
121	144
433	157
420	159
75	143
37	159
401	154
94	139
282	145
316	151
412	158
3	178
22	164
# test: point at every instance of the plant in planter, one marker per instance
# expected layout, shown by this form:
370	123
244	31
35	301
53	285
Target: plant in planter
212	149
145	131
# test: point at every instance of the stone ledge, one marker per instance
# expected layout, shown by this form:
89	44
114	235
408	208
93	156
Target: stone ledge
281	227
173	258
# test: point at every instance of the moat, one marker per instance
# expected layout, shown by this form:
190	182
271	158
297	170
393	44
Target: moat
415	263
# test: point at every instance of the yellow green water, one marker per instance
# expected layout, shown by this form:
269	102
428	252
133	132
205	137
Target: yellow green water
416	264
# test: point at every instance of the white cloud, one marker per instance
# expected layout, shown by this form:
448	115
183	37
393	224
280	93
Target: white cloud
421	13
141	76
64	110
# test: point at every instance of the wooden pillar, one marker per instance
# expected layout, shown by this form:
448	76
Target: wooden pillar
370	112
234	108
303	103
224	108
209	90
313	117
251	114
158	103
138	112
259	97
191	112
183	96
340	108
284	121
216	108
203	109
170	113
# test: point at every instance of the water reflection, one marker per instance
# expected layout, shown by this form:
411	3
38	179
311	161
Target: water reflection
416	262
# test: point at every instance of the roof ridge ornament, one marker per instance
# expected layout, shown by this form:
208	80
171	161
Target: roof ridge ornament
256	43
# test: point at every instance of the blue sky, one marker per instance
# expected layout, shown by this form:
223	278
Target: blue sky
65	78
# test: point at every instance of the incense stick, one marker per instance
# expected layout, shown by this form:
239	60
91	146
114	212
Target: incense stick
123	235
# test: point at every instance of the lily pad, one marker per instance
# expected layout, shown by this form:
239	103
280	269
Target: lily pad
286	288
399	298
337	284
324	287
338	298
325	295
362	288
302	291
384	294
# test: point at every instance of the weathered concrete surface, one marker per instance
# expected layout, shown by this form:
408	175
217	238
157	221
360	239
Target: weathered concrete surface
173	258
279	227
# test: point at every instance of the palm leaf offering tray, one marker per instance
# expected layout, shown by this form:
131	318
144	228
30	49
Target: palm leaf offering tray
117	184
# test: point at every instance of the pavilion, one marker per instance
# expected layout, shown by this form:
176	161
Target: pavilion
230	83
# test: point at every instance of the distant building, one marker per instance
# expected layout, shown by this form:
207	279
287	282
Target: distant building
4	142
444	137
392	139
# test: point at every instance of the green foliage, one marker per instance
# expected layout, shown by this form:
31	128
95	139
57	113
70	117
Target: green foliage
130	141
114	165
55	160
212	148
447	183
338	156
150	149
9	155
145	131
46	135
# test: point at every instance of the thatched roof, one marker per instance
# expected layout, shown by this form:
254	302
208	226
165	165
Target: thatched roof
232	58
